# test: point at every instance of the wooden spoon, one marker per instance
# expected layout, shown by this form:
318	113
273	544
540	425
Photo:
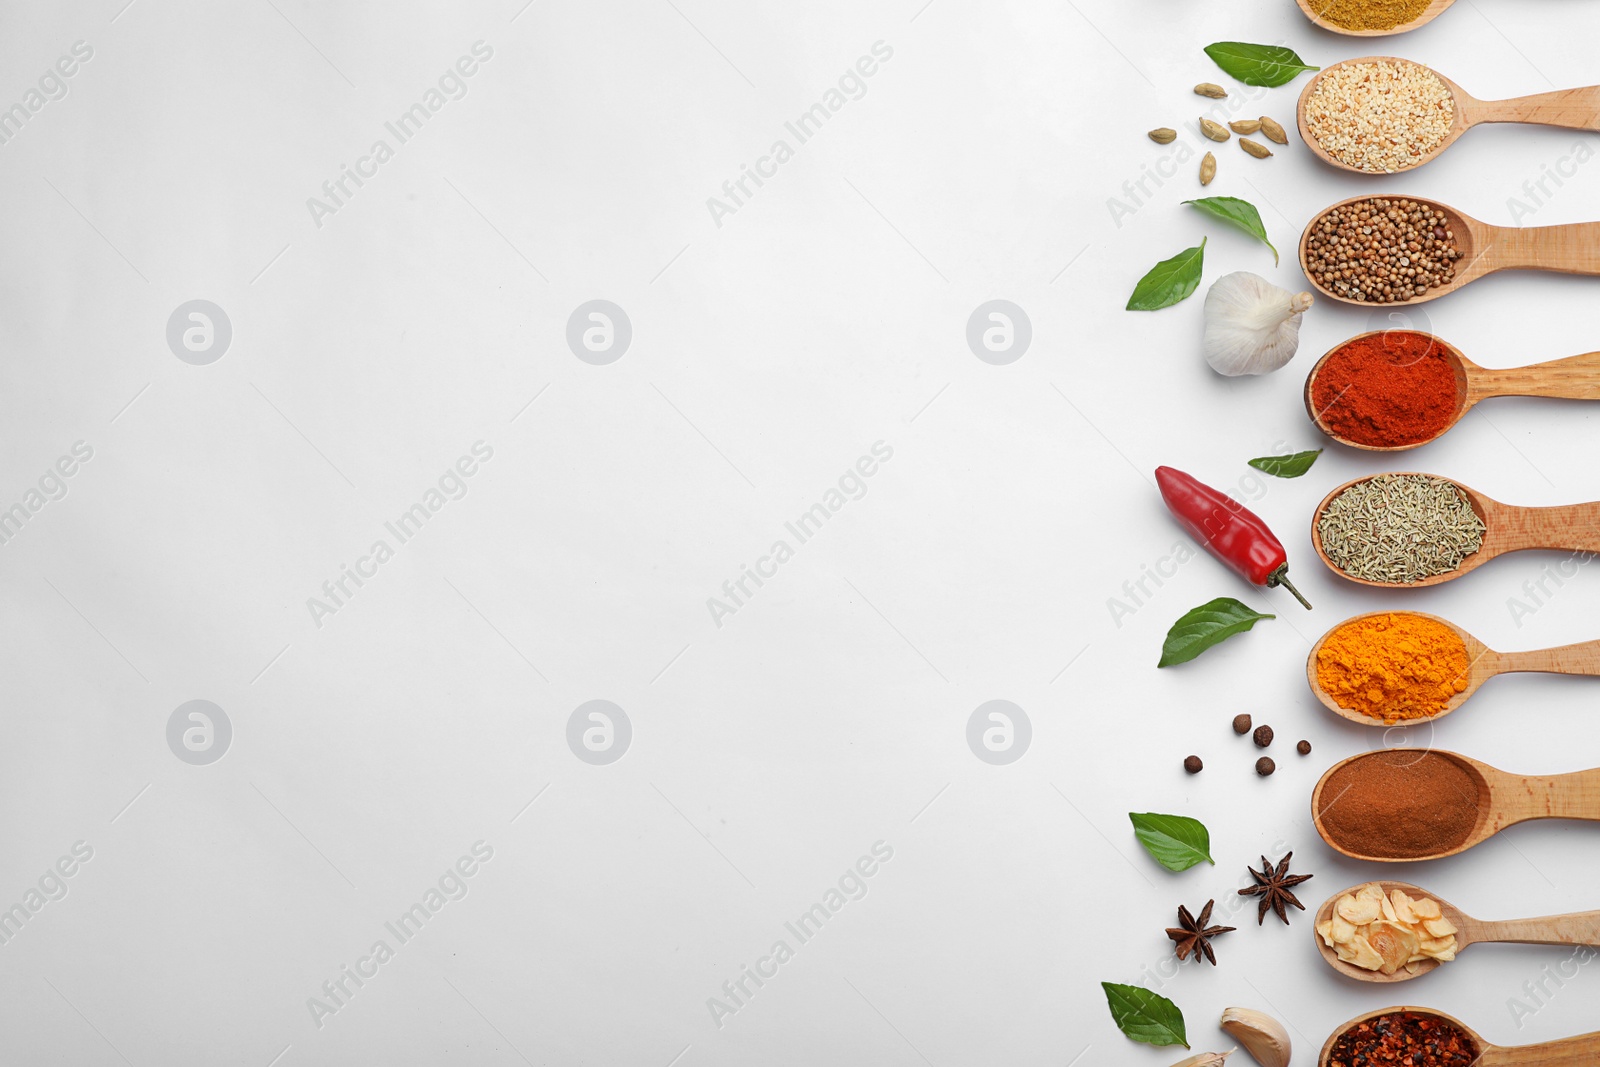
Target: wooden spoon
1572	528
1313	8
1573	109
1570	249
1578	928
1483	663
1503	800
1573	378
1580	1051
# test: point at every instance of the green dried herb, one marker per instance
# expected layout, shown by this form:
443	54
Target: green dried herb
1400	528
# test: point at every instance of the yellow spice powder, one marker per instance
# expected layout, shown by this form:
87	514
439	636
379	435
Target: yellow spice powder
1370	14
1393	666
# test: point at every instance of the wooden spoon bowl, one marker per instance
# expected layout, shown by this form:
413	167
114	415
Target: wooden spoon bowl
1573	378
1580	1051
1578	928
1484	249
1312	10
1507	528
1503	800
1573	109
1483	663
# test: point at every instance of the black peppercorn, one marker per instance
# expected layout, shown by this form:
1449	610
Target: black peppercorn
1241	724
1263	736
1304	748
1193	765
1265	766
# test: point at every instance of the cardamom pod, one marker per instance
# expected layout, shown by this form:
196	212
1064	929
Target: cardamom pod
1214	130
1208	168
1245	125
1163	135
1273	131
1211	89
1255	148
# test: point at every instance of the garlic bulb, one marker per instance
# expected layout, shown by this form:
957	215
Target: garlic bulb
1252	326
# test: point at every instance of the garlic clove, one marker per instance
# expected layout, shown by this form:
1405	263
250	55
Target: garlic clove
1251	325
1261	1035
1206	1059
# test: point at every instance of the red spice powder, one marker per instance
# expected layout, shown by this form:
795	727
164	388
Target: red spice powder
1392	388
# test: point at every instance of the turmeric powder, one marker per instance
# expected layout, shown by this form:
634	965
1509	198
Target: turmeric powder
1393	666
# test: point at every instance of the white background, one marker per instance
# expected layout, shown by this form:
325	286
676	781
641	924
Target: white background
768	354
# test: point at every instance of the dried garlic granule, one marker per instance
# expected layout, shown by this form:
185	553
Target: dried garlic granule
1380	116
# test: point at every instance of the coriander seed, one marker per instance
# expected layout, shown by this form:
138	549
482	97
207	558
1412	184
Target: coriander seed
1380	250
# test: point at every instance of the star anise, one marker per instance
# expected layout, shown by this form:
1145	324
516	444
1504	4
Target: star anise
1194	935
1273	886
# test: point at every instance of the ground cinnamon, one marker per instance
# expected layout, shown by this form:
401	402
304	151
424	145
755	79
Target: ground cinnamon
1399	804
1387	389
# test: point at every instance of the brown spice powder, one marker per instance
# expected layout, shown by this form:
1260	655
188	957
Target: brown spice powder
1370	14
1399	805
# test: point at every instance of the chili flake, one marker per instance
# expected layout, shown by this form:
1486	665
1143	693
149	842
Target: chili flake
1404	1037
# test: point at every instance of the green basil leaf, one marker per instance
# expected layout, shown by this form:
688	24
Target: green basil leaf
1258	64
1242	213
1176	841
1205	626
1145	1016
1169	282
1287	466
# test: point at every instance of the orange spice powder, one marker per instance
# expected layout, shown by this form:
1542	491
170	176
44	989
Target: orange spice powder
1393	666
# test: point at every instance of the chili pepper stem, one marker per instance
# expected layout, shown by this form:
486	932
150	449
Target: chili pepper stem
1281	577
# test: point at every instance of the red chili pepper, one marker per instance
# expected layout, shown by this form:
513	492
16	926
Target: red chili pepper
1229	530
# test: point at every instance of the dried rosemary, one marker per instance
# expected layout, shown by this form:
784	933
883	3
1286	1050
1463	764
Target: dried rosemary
1400	528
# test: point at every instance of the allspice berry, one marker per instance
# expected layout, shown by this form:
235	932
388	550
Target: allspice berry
1265	766
1241	724
1304	748
1193	765
1263	736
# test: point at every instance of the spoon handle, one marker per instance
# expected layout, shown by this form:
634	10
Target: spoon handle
1573	109
1557	796
1580	1051
1582	658
1570	249
1571	528
1578	928
1573	378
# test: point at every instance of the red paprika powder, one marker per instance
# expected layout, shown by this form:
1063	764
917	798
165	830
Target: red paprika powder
1387	389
